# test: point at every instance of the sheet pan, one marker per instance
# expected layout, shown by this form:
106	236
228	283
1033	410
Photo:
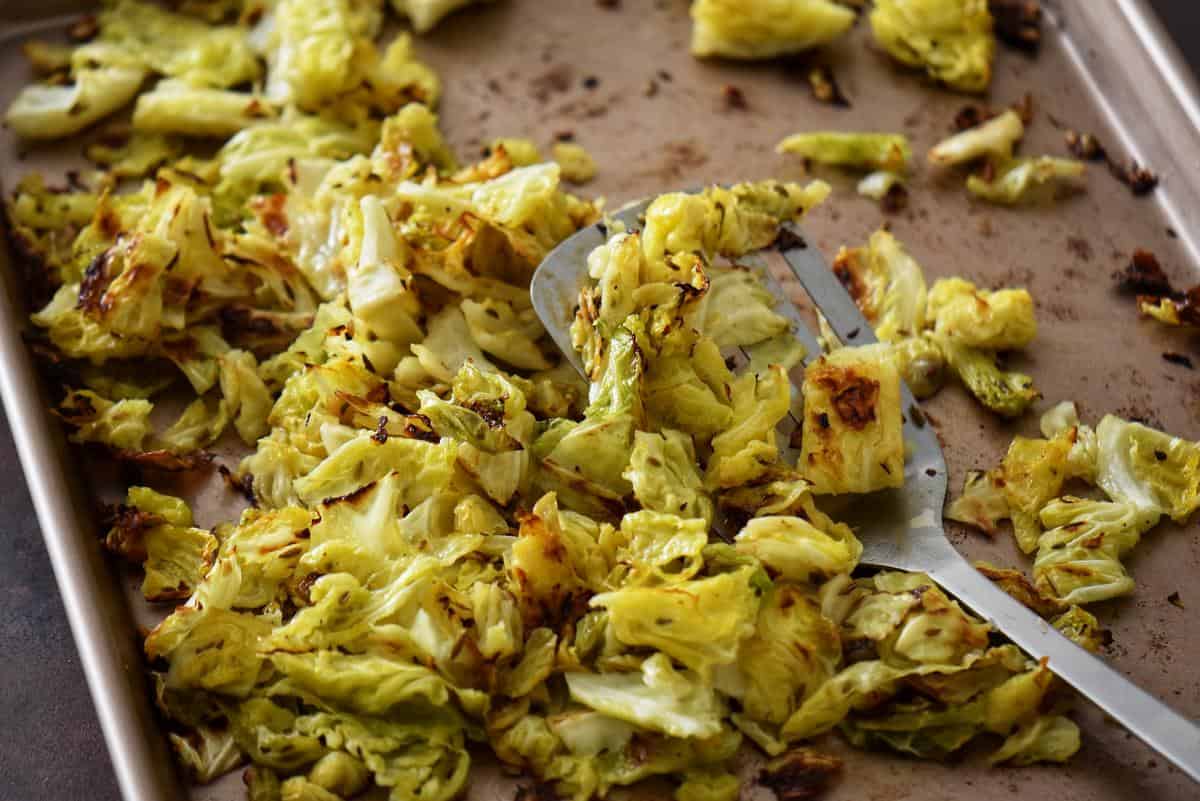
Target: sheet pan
656	119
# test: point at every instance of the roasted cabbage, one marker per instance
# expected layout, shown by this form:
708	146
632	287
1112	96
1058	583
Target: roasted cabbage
757	29
951	40
952	328
863	151
853	440
1079	542
453	540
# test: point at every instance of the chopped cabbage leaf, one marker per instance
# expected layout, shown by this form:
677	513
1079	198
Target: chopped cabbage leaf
662	470
863	151
700	623
950	39
993	139
795	550
979	318
1152	470
156	530
123	425
852	440
743	452
738	309
43	111
658	698
1033	473
1005	392
177	107
757	30
1078	558
576	164
425	14
887	284
1026	180
1050	738
983	502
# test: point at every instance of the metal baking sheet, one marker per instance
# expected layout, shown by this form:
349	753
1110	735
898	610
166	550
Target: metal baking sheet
656	119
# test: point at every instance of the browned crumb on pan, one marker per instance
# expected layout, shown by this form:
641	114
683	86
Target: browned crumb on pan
1174	600
1018	23
1144	276
825	87
1181	359
734	98
894	200
1141	180
800	774
612	4
555	80
679	158
1080	248
243	486
1086	146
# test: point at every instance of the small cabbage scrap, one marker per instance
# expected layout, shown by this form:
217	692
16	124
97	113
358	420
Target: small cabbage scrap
979	318
1025	180
993	139
753	29
1154	471
887	284
1005	392
950	39
863	151
1078	559
577	165
1033	473
853	440
123	425
425	14
156	530
983	502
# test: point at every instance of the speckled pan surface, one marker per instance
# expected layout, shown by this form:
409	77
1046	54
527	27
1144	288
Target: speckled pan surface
524	67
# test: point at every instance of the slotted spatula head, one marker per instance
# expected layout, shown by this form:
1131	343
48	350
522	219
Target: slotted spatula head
899	528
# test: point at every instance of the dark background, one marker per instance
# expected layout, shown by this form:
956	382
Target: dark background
51	748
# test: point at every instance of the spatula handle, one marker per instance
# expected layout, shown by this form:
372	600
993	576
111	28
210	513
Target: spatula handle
1149	719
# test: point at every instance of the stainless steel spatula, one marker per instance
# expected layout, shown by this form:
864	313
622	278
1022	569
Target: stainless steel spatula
900	529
